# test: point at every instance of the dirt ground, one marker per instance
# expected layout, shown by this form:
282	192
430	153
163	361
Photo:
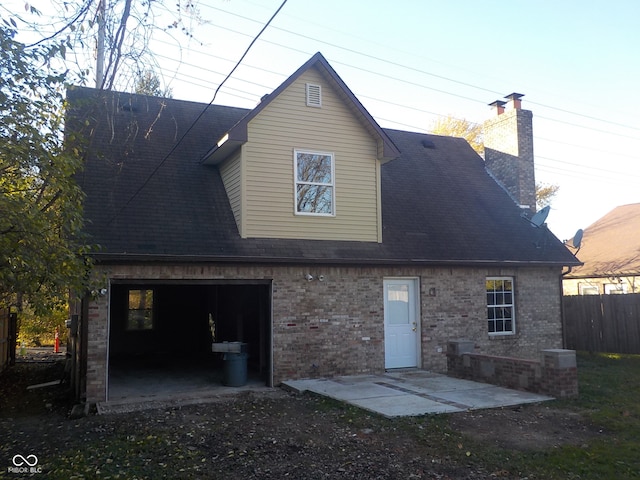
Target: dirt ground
273	435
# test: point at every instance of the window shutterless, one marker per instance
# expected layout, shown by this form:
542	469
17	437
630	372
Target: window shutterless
500	306
314	183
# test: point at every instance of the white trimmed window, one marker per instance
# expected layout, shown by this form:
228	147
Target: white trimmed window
588	289
500	306
615	288
314	183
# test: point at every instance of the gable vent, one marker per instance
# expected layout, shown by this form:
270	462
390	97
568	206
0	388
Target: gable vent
314	95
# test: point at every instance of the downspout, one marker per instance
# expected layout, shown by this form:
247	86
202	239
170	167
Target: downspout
562	319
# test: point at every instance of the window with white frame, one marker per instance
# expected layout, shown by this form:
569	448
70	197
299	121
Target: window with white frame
500	306
615	288
588	289
314	183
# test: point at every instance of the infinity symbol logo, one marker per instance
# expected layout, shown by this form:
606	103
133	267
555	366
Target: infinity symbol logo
19	460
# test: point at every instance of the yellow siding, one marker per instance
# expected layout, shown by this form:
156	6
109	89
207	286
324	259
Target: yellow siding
231	172
287	124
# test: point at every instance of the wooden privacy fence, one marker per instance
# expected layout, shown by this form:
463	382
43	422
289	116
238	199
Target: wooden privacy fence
8	325
602	323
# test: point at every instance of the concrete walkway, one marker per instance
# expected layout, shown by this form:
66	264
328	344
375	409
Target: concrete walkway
414	392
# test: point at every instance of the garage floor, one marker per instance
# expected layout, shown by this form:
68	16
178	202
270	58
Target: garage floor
130	387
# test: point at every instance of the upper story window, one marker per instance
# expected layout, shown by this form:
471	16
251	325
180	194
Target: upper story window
500	306
140	310
314	189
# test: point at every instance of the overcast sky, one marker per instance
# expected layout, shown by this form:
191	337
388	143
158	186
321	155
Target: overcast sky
410	61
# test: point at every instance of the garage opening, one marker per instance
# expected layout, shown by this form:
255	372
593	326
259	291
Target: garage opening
161	335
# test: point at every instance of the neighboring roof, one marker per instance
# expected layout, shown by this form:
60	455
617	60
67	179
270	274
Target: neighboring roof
439	205
237	134
611	246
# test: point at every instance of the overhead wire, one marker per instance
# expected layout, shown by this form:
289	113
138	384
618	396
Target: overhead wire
417	70
193	124
394	78
423	86
402	124
410	68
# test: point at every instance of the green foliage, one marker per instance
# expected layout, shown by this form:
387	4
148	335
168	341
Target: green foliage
609	391
149	84
472	132
36	330
41	247
459	127
544	194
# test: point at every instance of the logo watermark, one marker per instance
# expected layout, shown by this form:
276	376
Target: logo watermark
22	464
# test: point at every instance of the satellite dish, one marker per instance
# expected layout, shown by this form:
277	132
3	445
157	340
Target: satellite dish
577	238
539	218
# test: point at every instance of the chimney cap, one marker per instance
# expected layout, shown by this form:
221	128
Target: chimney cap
514	96
498	103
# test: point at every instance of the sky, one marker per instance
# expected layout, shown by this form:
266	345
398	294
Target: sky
411	62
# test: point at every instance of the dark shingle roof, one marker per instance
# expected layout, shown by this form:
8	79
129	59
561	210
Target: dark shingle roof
439	205
611	246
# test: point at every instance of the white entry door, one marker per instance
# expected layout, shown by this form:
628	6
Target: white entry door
401	323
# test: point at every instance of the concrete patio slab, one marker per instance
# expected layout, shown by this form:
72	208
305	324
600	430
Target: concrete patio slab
403	406
414	392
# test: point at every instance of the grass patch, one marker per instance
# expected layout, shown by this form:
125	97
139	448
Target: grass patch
609	392
609	401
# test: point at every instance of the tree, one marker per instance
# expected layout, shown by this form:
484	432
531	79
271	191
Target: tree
110	38
544	194
459	127
41	246
472	133
149	84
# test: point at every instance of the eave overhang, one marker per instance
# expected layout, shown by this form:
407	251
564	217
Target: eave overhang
127	258
238	135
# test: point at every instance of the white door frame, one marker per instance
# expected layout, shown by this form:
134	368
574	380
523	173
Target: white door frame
414	308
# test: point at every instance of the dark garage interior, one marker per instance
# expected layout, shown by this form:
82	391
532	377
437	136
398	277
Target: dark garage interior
161	335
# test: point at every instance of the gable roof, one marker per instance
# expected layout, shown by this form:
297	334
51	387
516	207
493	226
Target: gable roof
439	205
611	246
237	134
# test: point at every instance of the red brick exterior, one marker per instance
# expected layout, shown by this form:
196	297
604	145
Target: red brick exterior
336	326
556	374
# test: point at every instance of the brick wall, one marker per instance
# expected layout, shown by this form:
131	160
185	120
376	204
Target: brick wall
335	326
555	374
97	348
508	142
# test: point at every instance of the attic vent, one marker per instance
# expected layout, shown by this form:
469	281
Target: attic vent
314	95
428	144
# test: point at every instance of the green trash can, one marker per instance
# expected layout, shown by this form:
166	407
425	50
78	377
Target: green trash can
234	373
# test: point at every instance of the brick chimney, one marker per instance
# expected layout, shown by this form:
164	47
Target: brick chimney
508	149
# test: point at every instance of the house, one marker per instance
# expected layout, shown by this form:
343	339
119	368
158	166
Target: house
325	243
610	250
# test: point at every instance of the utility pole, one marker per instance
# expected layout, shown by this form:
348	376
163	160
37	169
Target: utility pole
100	45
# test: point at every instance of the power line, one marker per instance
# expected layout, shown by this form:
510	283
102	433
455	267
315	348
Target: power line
424	72
423	86
419	128
193	124
417	70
